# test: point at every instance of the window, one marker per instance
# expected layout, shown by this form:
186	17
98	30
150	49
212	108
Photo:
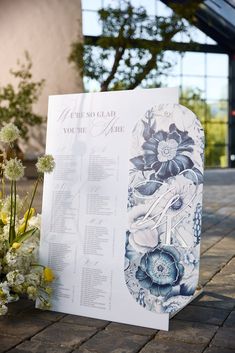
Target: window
202	77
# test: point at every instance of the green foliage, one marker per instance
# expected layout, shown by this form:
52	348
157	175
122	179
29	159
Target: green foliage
216	128
16	103
131	49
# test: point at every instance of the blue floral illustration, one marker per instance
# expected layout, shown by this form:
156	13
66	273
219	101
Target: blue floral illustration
166	153
160	270
164	194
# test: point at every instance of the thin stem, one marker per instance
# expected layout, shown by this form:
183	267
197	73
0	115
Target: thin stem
11	230
14	213
31	203
4	157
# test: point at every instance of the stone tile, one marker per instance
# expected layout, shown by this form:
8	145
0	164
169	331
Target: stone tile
225	338
65	334
230	321
7	342
202	314
229	268
114	326
171	347
189	332
208	241
214	349
110	342
222	279
214	300
23	327
210	264
228	291
84	321
39	347
38	314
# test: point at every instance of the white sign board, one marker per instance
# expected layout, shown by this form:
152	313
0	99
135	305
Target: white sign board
121	212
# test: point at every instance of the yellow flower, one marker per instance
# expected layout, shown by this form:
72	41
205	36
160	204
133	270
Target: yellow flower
16	246
29	213
48	274
21	228
4	217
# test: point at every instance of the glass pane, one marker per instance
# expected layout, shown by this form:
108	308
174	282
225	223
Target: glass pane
217	88
216	156
197	35
193	64
170	81
217	65
91	85
149	5
91	4
194	85
162	9
112	3
175	59
217	111
195	105
91	25
209	40
216	133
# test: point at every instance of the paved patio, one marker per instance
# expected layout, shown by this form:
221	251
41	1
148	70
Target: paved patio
206	325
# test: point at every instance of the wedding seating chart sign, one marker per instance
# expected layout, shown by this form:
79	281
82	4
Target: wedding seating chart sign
121	217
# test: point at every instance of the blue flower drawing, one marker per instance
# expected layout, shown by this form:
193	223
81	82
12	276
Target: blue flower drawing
166	153
160	270
162	250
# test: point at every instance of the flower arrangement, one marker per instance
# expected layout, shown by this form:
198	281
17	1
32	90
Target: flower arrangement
20	272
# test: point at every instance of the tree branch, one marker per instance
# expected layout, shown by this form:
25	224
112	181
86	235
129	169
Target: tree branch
118	55
151	64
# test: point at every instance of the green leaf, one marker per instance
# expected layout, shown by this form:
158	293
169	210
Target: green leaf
24	236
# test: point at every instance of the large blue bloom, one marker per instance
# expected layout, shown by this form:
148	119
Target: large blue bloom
160	270
166	153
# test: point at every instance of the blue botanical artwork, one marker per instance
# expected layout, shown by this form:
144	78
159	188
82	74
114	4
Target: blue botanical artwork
162	250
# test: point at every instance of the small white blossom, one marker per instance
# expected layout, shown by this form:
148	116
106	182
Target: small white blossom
32	292
3	309
9	133
45	164
14	169
35	222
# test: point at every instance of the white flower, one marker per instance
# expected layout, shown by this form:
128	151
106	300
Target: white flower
9	133
33	279
3	309
35	222
15	278
32	292
45	164
142	238
178	196
14	169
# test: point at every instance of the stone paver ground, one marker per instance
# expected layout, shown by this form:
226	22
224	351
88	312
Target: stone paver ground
206	325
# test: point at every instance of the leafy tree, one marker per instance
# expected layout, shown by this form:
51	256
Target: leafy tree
215	127
132	46
16	103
